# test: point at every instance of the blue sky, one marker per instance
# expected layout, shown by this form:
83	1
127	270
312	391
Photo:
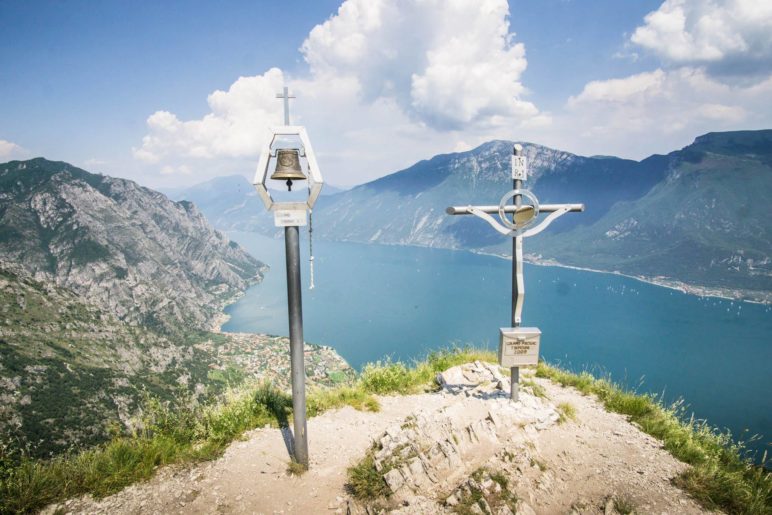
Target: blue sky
174	93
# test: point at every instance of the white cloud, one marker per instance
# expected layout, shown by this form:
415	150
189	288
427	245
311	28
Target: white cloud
727	36
176	170
446	64
715	74
662	110
234	127
387	84
621	90
9	150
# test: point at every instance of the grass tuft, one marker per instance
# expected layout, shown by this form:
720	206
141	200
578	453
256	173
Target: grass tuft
322	400
566	412
624	505
387	377
536	462
296	469
536	389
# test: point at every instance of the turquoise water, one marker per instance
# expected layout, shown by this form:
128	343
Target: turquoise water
372	301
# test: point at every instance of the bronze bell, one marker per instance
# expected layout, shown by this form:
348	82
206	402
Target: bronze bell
288	167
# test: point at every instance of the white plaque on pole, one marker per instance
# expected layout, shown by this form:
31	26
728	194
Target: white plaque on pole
289	217
519	346
519	168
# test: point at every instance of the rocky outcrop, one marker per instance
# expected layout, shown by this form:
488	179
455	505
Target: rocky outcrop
595	463
432	451
123	247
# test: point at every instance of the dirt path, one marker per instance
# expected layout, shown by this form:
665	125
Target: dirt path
582	466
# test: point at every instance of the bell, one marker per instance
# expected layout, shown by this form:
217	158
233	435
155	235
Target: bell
288	167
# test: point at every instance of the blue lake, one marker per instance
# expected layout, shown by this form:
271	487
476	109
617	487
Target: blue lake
374	301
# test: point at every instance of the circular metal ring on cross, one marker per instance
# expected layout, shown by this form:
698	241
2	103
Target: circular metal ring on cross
531	211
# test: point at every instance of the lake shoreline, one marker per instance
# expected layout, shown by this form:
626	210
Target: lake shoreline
749	296
671	284
756	297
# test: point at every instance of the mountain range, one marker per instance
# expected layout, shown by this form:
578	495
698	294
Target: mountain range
107	290
696	216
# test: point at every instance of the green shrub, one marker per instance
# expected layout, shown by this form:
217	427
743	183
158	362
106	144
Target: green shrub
364	482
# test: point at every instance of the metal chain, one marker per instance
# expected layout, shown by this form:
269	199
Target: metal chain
311	246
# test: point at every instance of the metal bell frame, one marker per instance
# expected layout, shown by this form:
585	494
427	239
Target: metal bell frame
315	180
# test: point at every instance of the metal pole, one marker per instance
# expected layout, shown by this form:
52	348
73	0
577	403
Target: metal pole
517	201
294	302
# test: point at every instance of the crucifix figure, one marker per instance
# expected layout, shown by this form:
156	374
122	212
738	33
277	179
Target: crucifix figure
518	345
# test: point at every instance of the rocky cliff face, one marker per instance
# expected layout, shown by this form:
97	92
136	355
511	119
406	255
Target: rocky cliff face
126	248
105	289
71	373
70	370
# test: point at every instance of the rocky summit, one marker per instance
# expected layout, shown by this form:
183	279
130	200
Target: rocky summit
465	448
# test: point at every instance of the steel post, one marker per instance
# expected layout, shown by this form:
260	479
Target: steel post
517	288
294	303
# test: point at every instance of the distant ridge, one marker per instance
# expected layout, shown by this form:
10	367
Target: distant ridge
644	218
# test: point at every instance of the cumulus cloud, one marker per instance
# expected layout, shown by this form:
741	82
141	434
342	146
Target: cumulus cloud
446	64
386	84
663	109
726	36
235	127
715	74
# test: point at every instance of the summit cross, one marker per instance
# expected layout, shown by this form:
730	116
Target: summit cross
286	96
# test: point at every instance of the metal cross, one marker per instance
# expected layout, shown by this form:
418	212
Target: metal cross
286	96
517	227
